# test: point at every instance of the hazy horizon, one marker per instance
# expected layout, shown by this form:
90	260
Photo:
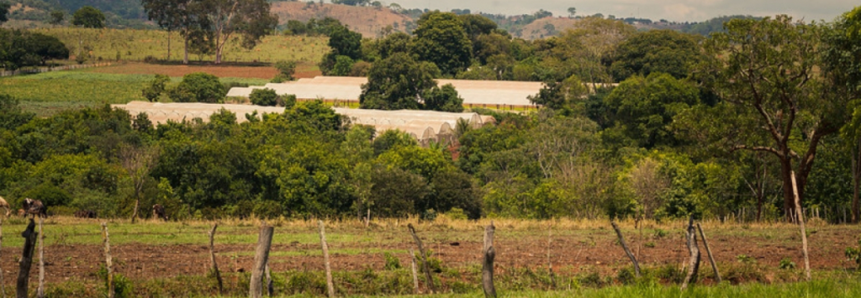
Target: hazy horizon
671	10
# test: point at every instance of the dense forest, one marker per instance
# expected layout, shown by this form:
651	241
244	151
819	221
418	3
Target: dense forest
670	125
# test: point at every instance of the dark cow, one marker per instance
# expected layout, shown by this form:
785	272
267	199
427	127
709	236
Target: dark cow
35	208
158	212
85	214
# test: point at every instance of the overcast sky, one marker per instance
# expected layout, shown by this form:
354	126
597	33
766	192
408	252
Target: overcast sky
672	10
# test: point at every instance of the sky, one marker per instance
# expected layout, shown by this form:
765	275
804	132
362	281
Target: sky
671	10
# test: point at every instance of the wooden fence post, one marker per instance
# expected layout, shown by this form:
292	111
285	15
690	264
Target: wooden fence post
40	292
415	274
330	288
108	260
26	260
212	258
800	218
694	262
2	281
625	247
425	266
709	252
261	257
488	254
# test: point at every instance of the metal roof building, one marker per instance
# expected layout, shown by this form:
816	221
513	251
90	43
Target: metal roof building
474	93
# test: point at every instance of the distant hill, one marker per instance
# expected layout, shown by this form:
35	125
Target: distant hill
118	13
367	20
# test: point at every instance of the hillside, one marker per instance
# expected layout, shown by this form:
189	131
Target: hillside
544	27
366	20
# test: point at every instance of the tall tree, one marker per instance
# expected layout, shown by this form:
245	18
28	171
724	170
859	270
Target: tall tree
842	66
398	82
249	18
4	11
57	17
168	14
89	17
774	98
664	51
441	39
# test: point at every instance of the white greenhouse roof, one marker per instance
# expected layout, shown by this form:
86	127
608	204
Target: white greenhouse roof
489	93
423	125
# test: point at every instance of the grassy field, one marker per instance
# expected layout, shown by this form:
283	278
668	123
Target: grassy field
48	93
131	44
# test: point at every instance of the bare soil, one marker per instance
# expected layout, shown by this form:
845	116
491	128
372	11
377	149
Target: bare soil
259	72
598	251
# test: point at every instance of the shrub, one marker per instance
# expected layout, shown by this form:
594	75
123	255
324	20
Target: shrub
854	254
392	262
198	87
288	101
267	209
156	87
264	97
286	69
787	263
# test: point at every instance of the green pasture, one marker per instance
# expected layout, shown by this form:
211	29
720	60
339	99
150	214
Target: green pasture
133	44
48	93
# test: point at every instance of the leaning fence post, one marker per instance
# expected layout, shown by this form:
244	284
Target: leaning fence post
26	260
415	275
799	212
694	262
330	288
108	260
488	254
261	257
212	258
709	252
2	281
625	247
40	292
424	258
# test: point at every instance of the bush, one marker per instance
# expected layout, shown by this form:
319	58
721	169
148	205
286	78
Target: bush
50	195
267	209
288	101
286	69
392	262
264	97
199	87
156	87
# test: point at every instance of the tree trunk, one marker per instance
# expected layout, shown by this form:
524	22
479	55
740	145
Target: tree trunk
185	58
800	217
856	182
212	258
26	259
488	254
425	266
330	288
627	251
135	212
108	259
261	258
788	194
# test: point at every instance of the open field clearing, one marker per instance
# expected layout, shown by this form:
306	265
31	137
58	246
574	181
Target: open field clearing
131	44
48	93
583	254
303	70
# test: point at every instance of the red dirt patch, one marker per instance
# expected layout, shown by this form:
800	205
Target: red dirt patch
259	72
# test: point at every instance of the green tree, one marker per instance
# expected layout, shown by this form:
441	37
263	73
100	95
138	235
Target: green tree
4	11
264	97
171	15
57	17
442	39
444	99
842	67
198	87
88	17
644	107
571	12
343	66
249	18
11	114
774	101
397	82
344	43
156	87
666	51
286	70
